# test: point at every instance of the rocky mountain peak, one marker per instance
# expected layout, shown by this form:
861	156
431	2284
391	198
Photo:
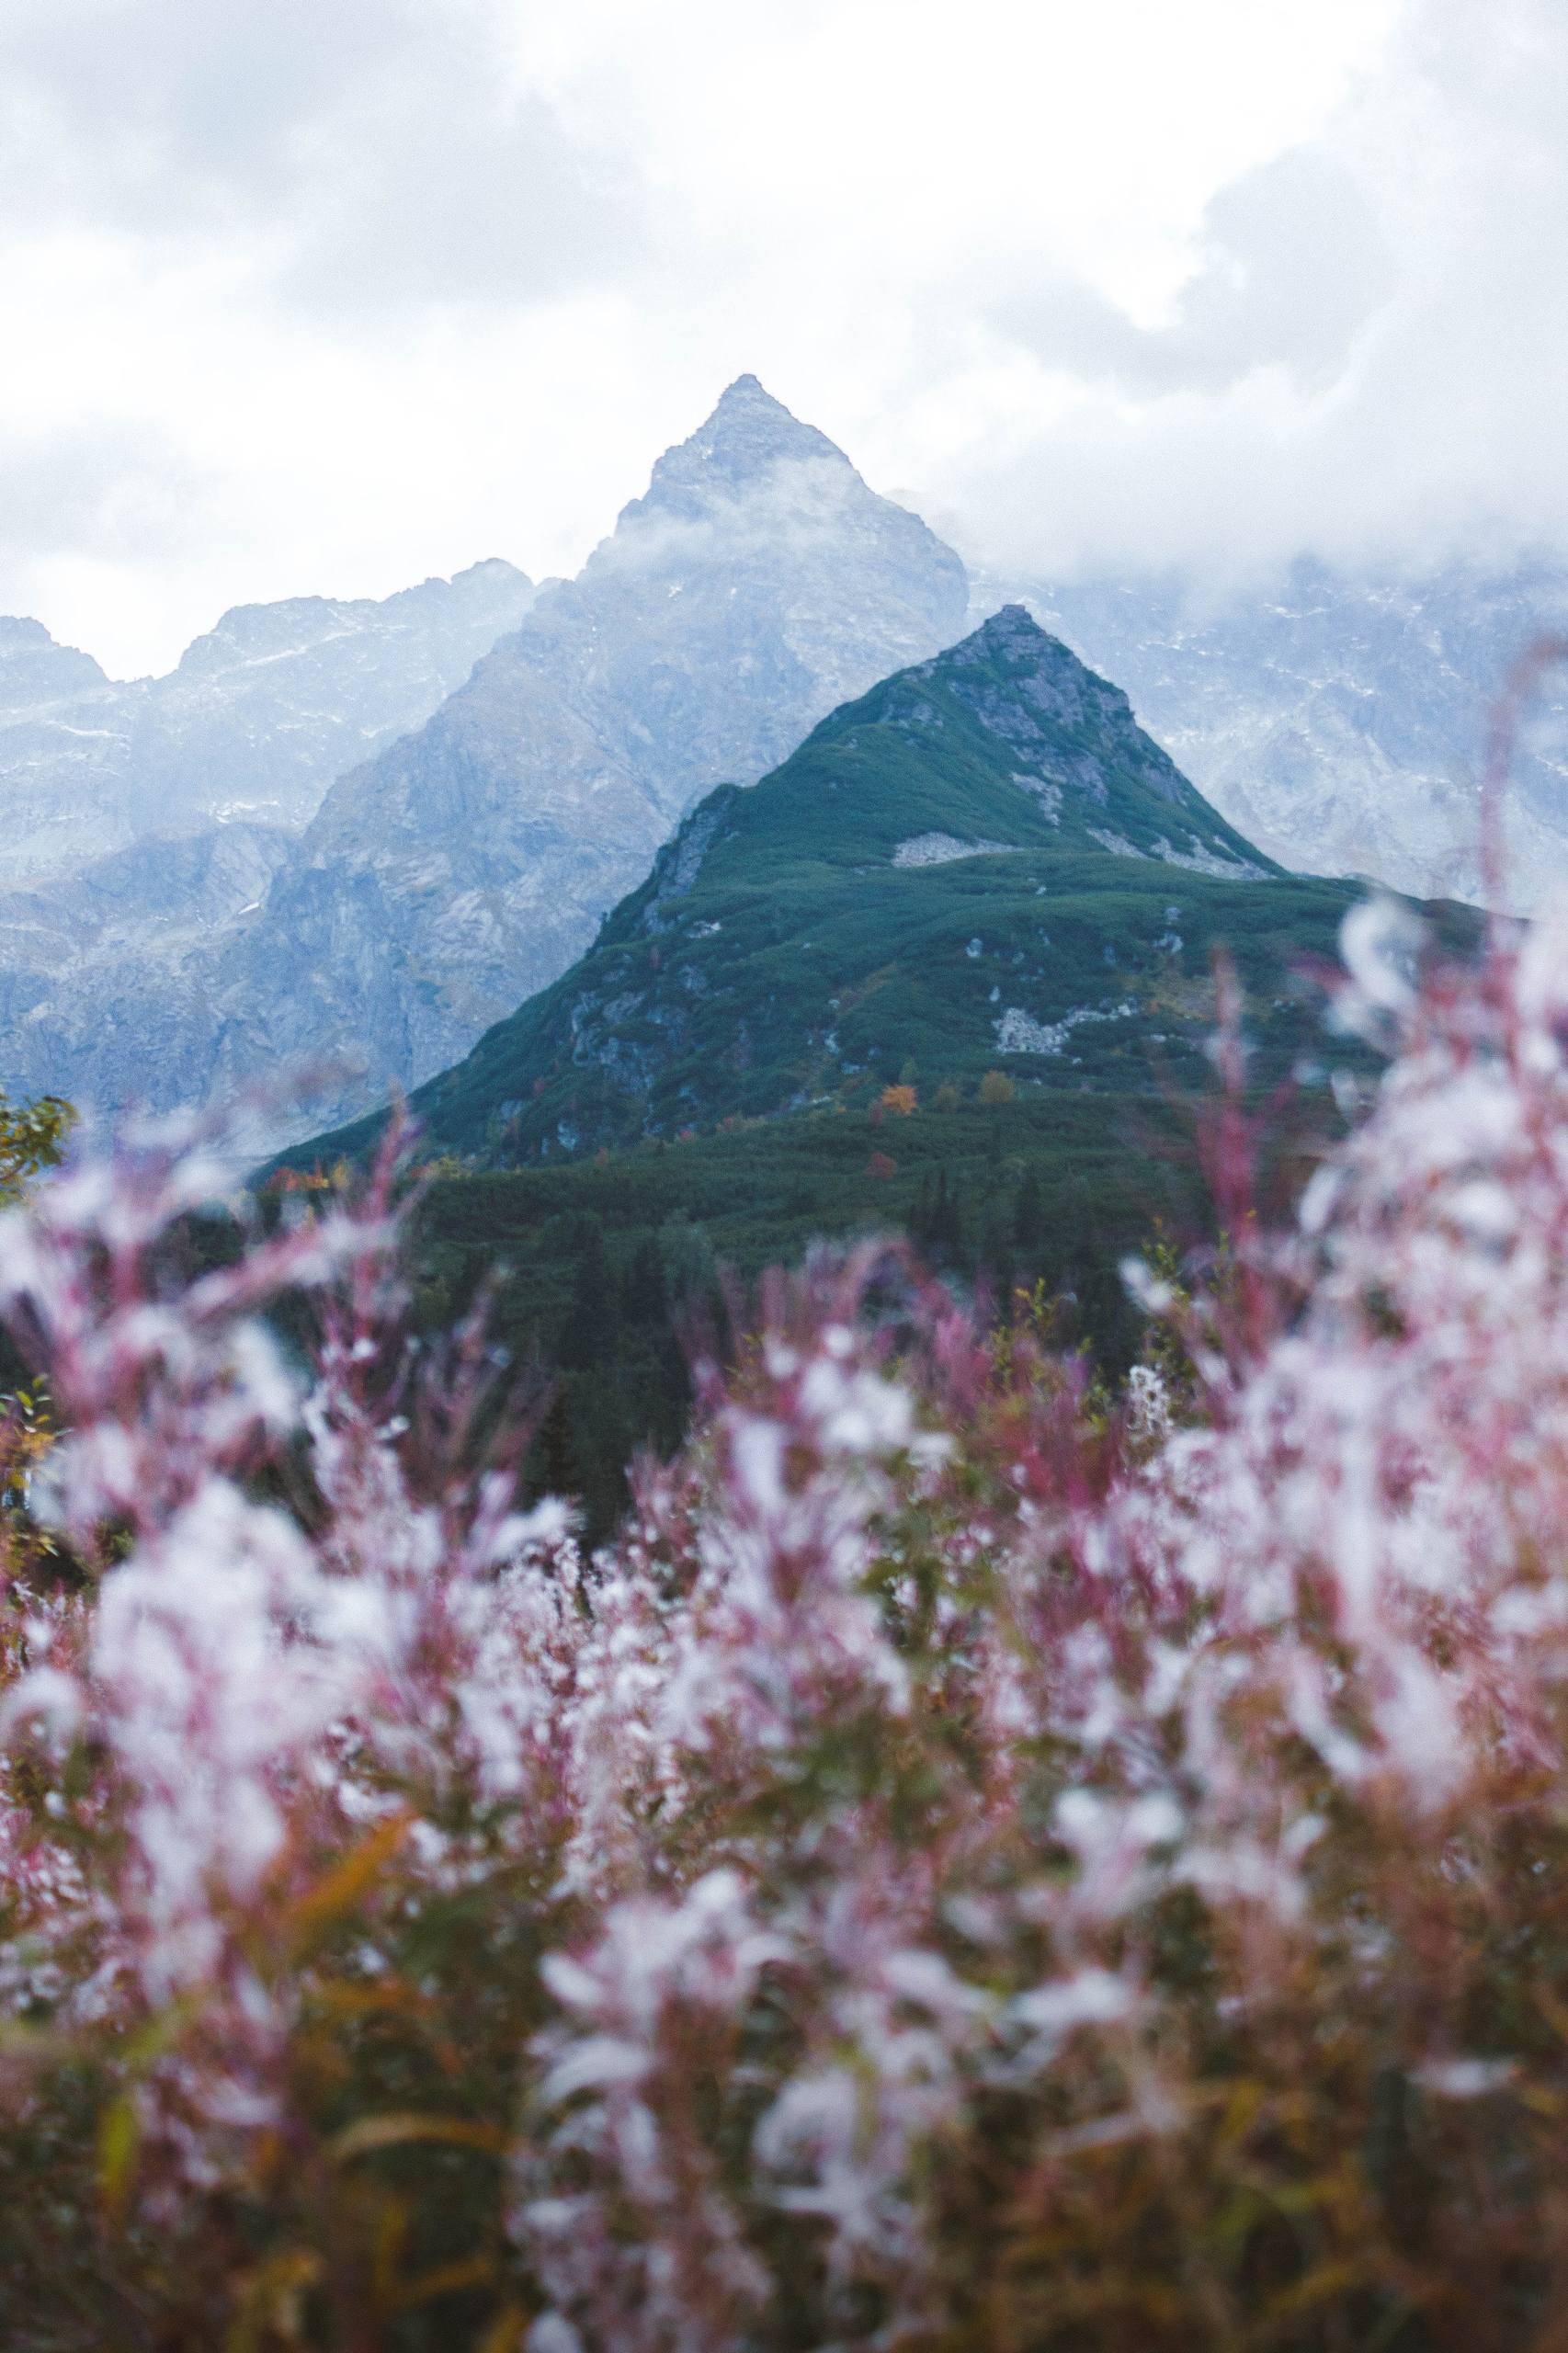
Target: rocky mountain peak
758	585
1040	669
34	668
493	592
756	535
16	630
1340	720
1013	639
1013	627
254	631
490	569
981	862
1031	691
738	451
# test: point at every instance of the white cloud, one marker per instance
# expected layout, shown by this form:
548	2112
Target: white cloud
331	293
1394	392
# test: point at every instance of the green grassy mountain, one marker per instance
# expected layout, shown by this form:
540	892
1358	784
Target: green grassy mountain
982	865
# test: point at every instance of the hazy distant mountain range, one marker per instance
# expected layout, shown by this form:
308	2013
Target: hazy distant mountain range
260	716
330	834
139	821
759	583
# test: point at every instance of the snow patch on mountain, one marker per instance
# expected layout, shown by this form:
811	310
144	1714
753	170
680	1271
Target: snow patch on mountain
942	850
1199	859
1019	1032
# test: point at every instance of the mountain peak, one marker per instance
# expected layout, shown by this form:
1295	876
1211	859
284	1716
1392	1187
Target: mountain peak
15	630
739	446
1031	658
35	669
1029	690
748	387
747	406
1013	637
1015	641
1010	625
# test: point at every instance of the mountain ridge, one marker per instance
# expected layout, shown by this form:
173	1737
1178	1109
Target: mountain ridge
142	824
757	584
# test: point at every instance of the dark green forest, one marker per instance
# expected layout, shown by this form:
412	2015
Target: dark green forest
603	1275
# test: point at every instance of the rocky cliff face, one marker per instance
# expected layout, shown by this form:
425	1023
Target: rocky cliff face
1341	723
104	974
759	583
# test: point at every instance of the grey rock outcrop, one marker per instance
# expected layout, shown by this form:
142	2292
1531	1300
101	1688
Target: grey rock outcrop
104	974
1341	723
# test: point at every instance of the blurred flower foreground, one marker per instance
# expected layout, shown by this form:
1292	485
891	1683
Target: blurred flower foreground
971	1867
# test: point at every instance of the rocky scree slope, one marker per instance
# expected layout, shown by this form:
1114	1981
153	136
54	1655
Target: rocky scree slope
757	584
984	863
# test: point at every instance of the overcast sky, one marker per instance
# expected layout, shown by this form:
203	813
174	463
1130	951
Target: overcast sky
327	295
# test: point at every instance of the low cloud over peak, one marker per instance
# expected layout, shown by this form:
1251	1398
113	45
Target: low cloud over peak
330	298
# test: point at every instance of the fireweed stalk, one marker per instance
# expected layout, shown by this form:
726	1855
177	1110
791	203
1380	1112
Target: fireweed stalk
960	1870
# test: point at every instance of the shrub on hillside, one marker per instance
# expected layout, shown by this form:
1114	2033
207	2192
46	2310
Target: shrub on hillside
965	1869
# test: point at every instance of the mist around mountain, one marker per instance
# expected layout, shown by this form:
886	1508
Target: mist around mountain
357	836
756	584
139	821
